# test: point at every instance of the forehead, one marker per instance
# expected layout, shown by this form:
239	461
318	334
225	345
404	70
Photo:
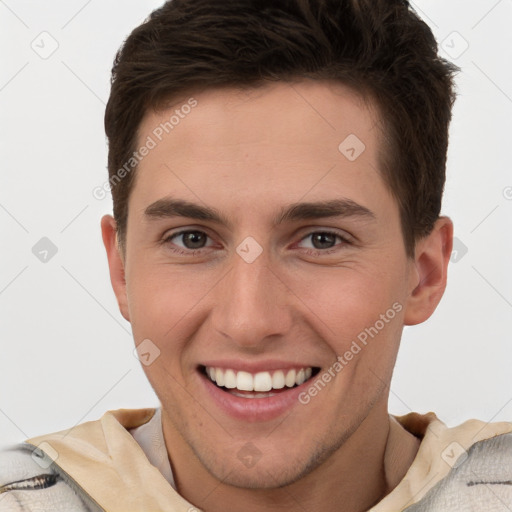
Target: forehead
299	138
289	113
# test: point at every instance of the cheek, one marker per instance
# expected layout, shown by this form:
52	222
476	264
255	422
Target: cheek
359	314
165	307
159	295
348	300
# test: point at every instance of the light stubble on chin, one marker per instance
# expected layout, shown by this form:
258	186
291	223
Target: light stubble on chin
228	472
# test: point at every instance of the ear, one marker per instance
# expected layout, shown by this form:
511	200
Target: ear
115	263
429	272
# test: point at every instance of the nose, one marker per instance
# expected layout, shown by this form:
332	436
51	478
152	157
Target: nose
252	304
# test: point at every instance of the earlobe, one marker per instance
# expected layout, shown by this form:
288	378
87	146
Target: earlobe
428	280
115	263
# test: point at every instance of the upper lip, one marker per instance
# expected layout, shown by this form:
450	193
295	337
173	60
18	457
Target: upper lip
255	366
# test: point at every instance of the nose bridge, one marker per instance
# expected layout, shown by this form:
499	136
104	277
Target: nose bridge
251	303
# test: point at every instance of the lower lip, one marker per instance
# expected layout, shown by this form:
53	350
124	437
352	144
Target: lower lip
254	409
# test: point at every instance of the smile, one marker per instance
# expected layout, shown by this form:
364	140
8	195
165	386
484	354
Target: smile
263	384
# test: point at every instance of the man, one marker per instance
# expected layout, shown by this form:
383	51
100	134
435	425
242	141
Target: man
277	171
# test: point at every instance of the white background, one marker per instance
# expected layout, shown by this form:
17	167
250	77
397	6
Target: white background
66	353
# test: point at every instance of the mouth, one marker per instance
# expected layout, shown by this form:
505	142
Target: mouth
259	385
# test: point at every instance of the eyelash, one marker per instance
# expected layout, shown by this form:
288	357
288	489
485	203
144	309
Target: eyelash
310	252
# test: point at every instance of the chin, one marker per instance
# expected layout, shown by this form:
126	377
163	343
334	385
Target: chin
262	476
272	468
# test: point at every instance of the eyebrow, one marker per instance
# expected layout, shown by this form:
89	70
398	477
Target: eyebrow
169	207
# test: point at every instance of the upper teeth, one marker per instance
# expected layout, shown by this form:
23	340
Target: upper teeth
261	381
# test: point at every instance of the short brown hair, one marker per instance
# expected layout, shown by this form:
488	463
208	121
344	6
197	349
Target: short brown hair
380	48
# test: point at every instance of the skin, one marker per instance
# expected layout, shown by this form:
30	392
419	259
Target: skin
249	154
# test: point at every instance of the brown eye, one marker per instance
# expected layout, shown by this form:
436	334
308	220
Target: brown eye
187	240
322	241
193	239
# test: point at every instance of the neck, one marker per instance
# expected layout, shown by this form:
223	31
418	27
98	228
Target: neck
358	475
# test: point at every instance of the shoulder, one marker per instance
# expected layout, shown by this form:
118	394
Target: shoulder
480	479
31	481
489	462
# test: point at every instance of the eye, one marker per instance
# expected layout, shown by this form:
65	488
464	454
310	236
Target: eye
192	240
323	242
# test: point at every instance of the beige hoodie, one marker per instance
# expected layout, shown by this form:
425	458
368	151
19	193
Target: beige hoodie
98	465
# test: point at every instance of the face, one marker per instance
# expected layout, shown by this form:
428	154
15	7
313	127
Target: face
264	252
